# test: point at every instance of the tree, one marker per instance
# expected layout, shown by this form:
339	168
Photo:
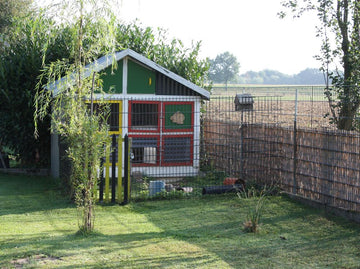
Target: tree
172	55
10	9
339	30
21	60
309	76
224	68
84	132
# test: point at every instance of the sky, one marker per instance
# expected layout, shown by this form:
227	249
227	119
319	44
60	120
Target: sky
249	29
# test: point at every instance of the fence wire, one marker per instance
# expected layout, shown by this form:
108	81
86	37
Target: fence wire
301	152
183	148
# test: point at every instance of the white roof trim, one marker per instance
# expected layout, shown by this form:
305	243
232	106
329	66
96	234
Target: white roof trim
107	60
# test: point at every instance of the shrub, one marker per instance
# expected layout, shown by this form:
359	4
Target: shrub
254	212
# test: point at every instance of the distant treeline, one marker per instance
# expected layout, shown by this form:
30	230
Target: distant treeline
309	76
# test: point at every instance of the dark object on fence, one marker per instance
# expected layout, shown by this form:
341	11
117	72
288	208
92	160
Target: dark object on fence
113	169
221	189
244	101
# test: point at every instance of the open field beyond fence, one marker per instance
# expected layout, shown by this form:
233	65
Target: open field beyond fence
273	105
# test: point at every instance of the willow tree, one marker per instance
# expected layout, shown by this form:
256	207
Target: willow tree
339	28
11	9
67	99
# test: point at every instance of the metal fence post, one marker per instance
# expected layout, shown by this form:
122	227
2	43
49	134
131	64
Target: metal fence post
242	146
120	163
295	144
113	169
126	170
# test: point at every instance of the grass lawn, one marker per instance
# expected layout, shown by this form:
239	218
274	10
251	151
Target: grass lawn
38	230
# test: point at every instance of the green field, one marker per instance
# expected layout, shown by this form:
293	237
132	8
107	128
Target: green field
38	230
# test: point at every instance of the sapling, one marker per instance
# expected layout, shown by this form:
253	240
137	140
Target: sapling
67	101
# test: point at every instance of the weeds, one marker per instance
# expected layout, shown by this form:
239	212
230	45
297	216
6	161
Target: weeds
254	212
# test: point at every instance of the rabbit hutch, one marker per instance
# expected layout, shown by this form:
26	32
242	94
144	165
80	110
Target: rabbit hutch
157	109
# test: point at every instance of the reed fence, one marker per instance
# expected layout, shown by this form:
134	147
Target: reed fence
319	164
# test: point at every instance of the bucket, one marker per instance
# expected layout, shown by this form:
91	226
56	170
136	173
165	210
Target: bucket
156	187
230	181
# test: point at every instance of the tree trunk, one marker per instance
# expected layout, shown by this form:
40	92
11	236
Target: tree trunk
346	117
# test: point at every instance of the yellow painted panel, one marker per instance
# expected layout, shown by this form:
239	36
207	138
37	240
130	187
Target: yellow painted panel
120	116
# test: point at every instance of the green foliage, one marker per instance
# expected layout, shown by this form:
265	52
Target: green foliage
31	41
254	215
37	40
258	197
11	10
143	193
339	31
172	54
84	132
224	68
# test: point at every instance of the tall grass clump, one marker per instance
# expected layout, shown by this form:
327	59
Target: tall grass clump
255	210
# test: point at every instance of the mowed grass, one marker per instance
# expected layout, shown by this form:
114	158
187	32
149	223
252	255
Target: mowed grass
38	230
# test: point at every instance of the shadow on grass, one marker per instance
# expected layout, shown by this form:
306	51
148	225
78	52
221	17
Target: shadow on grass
188	233
25	194
71	250
212	241
290	232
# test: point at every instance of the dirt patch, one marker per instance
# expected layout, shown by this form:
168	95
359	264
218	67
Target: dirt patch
271	110
39	259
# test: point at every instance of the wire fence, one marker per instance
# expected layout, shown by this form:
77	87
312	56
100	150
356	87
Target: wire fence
289	143
165	135
181	147
275	105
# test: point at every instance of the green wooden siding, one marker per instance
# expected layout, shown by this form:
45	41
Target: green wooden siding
140	79
112	79
171	109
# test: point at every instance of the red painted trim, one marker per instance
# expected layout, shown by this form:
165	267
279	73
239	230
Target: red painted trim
191	129
131	129
189	163
157	153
